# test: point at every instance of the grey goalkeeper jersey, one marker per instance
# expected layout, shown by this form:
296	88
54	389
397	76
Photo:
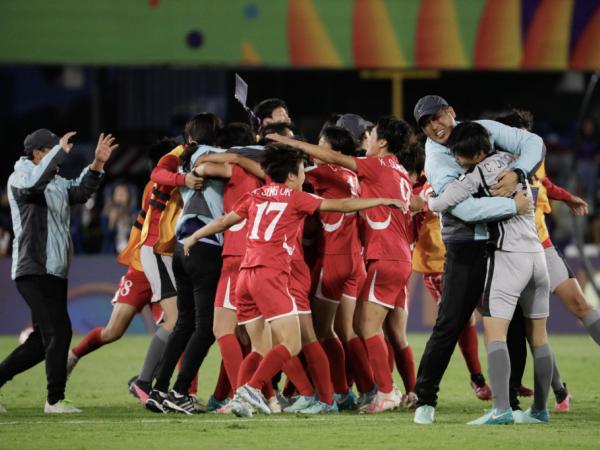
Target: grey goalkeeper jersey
517	234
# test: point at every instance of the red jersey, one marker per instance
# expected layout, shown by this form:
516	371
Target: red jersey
340	230
240	183
274	213
387	231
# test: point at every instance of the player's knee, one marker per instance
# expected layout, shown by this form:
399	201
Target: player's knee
112	334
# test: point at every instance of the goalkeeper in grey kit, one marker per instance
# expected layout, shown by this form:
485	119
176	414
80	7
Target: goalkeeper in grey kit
516	269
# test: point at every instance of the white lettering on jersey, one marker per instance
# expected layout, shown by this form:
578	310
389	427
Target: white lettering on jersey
238	226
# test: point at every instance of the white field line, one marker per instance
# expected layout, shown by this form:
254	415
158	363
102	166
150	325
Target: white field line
194	422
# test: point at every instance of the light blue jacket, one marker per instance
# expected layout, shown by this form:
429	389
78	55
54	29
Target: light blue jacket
464	223
40	207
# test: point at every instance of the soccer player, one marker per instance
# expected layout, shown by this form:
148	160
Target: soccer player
464	234
563	282
340	271
387	243
516	268
428	258
40	202
274	213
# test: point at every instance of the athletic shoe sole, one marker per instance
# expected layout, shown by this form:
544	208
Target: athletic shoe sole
176	408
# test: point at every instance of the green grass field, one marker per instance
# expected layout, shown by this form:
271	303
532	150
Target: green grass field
112	419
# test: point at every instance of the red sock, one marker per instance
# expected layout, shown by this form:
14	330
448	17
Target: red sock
268	390
361	367
469	346
390	351
349	371
90	342
405	361
248	367
337	364
231	352
223	386
318	367
378	358
295	372
269	366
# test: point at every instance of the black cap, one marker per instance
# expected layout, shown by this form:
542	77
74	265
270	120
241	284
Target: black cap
41	138
428	106
354	123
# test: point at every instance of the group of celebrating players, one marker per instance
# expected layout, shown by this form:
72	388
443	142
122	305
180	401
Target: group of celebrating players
296	259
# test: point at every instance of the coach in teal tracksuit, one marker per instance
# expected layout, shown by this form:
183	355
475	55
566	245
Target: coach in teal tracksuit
40	202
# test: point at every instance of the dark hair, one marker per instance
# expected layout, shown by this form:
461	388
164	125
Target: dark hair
159	148
468	139
277	128
266	107
279	160
413	158
518	118
330	122
340	139
201	129
235	134
395	131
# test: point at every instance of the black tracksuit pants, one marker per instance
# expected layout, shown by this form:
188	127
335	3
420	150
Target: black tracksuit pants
46	296
196	276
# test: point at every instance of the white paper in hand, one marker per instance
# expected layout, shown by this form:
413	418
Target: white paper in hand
241	90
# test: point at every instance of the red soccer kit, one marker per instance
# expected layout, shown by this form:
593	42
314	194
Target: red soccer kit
300	276
274	213
387	231
234	247
340	269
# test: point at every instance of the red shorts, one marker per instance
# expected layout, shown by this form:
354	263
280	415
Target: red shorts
337	275
386	283
433	283
225	296
263	292
134	289
300	285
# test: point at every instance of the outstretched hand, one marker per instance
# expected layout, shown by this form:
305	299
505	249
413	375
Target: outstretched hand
64	141
578	206
104	148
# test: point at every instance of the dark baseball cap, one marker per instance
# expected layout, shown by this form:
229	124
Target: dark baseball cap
41	138
354	123
428	106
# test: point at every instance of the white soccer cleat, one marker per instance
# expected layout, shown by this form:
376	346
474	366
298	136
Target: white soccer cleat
72	361
274	405
61	407
424	415
253	397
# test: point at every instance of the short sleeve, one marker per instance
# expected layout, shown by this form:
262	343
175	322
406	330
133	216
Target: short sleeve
314	176
242	206
307	203
367	167
236	174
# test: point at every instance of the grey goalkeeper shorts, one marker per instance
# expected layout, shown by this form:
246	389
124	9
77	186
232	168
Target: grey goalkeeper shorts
516	277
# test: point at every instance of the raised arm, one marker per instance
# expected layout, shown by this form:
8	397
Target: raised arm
324	154
81	189
358	204
216	226
249	165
